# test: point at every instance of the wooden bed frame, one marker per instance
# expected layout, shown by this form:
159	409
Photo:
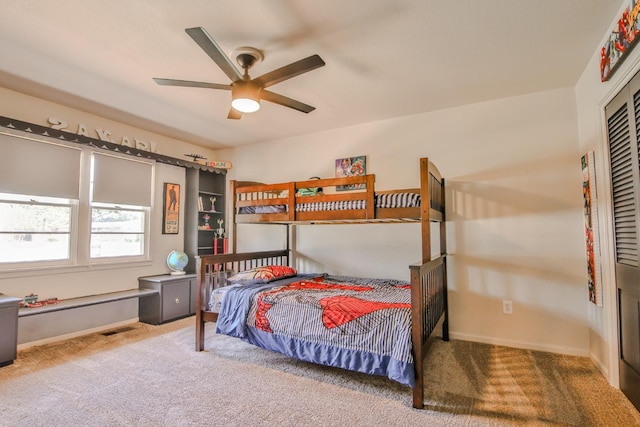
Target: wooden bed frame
252	194
428	279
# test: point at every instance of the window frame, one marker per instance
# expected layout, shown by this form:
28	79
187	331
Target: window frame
146	232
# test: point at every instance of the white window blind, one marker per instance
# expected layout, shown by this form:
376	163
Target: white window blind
38	168
121	181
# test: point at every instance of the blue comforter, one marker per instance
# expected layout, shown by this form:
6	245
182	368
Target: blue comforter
359	324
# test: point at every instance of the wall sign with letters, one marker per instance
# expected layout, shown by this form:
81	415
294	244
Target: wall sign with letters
103	135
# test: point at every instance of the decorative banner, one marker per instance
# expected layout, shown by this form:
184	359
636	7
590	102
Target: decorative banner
220	164
591	228
621	41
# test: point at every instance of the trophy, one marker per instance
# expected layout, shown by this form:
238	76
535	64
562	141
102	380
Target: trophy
220	230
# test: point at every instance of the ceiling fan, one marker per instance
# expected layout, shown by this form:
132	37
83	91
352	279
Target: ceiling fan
246	92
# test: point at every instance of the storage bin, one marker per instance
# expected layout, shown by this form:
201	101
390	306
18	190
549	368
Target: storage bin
8	329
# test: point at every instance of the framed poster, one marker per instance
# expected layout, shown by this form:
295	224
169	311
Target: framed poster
171	208
351	166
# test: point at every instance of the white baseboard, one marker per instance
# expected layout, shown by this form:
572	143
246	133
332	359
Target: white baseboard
603	369
582	352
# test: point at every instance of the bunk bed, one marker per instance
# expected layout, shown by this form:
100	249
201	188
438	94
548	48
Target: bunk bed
297	202
423	303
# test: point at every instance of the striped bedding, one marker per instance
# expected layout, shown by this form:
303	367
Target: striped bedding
391	200
353	323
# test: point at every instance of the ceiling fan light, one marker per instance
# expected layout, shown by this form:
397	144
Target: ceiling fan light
245	105
245	97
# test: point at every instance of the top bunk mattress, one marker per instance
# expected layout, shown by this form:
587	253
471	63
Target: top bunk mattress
387	200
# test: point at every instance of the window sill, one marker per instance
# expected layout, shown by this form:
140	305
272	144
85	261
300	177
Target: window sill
67	269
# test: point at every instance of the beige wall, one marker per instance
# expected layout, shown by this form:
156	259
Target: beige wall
592	95
30	109
514	208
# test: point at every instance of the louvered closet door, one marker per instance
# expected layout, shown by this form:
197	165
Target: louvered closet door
623	128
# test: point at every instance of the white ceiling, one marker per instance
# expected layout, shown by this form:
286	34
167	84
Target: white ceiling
383	58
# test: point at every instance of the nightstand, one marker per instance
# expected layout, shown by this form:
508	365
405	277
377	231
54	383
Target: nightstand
176	298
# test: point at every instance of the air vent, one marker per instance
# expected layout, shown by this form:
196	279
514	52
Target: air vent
117	331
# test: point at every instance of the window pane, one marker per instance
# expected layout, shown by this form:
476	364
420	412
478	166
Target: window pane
116	245
30	231
116	221
21	247
22	217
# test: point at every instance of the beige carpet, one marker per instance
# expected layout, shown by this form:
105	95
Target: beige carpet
152	376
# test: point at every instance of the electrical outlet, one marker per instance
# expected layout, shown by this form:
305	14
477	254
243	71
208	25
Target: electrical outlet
507	307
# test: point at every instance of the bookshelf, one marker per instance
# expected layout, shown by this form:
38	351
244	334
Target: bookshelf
205	215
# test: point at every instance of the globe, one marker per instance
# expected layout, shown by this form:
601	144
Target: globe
177	261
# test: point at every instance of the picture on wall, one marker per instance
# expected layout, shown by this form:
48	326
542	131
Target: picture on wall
351	166
171	211
620	42
591	229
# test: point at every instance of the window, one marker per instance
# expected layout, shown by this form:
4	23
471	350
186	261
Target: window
35	229
68	205
39	193
119	219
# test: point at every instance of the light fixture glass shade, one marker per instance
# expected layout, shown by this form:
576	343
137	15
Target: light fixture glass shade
245	97
245	105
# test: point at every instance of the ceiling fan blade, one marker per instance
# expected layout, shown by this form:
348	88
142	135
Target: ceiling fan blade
189	83
211	48
267	95
234	114
294	69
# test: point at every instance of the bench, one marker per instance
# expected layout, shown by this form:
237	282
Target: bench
70	303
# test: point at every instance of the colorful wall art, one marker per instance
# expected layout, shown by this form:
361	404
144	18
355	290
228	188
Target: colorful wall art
591	229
